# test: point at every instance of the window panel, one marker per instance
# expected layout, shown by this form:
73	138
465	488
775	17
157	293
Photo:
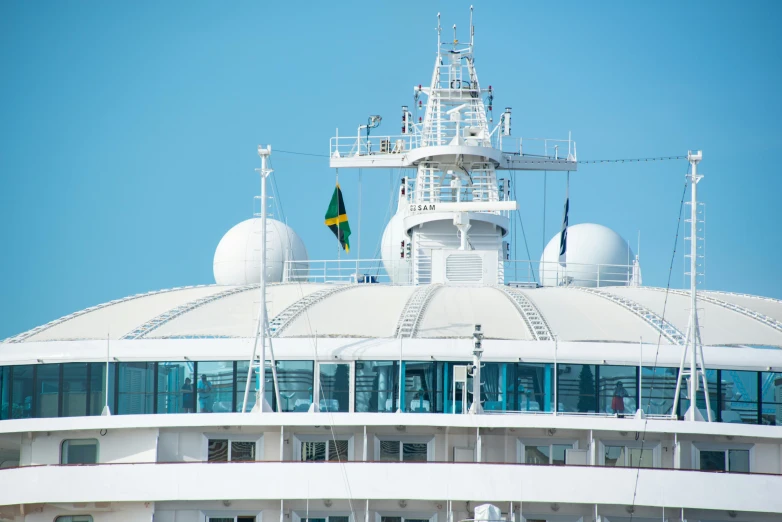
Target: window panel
617	390
175	392
136	387
658	386
712	460
214	387
739	396
22	392
390	519
313	451
5	392
537	454
615	456
414	452
241	384
738	461
711	380
423	389
74	389
242	451
79	451
558	453
530	387
576	387
296	381
338	450
97	388
334	387
640	458
218	450
74	518
389	451
47	390
771	389
377	385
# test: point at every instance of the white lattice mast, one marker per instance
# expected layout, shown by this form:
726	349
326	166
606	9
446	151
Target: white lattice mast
696	372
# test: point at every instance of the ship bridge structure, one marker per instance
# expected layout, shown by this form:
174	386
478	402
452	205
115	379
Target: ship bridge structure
442	382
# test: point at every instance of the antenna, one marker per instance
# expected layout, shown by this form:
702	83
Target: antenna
472	28
439	30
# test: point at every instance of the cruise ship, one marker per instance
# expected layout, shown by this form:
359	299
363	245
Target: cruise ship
442	382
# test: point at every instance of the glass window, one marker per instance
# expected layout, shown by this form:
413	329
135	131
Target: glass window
79	451
712	460
334	387
74	389
97	395
614	456
617	390
214	386
295	379
241	384
312	451
414	452
739	396
389	450
576	387
711	380
5	392
537	454
738	461
47	388
543	453
423	389
22	391
225	450
530	386
771	389
74	518
377	386
623	456
658	386
175	387
136	387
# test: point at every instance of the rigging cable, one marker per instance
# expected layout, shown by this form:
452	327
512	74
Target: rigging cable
659	340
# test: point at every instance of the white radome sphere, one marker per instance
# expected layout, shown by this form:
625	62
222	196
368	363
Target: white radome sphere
592	249
398	269
237	259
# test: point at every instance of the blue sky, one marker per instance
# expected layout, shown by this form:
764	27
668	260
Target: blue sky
128	131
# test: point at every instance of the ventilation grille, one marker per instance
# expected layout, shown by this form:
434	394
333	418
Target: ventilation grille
464	268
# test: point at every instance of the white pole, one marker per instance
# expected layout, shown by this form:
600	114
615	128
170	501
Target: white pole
641	373
556	404
358	247
106	410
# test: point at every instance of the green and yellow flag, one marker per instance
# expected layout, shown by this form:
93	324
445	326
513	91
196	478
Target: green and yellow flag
337	219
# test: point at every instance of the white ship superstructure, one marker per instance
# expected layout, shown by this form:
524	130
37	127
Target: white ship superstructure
415	388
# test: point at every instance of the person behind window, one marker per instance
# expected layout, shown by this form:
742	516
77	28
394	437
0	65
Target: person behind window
187	396
618	402
204	395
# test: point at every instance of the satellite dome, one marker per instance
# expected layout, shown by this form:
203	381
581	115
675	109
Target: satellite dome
237	259
596	256
397	267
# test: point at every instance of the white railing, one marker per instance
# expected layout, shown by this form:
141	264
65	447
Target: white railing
345	271
552	273
543	147
518	272
361	145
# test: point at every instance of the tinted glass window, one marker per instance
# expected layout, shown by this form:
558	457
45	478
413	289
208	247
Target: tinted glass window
738	461
389	450
414	452
79	451
218	450
713	460
242	451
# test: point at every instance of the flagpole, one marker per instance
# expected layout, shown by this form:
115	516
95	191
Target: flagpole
339	243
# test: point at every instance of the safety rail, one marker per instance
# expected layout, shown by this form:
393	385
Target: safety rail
348	146
548	148
345	271
554	273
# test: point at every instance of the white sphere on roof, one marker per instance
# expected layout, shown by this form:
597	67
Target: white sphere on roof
237	259
595	256
397	267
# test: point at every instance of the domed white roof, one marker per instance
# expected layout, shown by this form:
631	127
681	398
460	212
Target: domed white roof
595	254
237	259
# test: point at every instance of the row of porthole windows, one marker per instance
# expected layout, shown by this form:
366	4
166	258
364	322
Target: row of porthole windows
75	389
314	448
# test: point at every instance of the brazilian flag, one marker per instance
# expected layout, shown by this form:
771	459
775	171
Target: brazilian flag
337	219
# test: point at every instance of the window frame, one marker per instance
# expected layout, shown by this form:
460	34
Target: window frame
298	516
697	447
415	439
63	452
61	518
521	445
628	444
405	515
258	440
233	513
303	437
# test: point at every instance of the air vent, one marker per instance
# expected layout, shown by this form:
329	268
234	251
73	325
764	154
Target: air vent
464	268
